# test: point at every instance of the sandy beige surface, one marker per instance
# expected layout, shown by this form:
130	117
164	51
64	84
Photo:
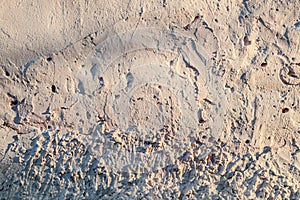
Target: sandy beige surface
149	99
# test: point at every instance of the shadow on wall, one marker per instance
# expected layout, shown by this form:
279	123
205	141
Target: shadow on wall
31	29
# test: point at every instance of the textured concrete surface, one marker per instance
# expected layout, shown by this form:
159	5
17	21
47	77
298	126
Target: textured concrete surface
146	100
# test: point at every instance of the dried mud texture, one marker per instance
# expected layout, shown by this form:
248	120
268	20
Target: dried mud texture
140	100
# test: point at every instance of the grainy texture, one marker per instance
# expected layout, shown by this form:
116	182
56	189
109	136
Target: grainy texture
149	99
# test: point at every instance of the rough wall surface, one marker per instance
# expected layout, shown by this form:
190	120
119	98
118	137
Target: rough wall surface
150	99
